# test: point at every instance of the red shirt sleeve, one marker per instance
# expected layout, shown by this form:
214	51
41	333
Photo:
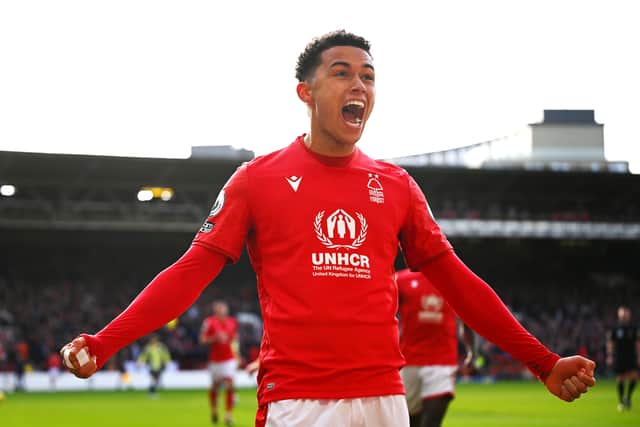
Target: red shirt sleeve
420	237
168	295
225	229
482	310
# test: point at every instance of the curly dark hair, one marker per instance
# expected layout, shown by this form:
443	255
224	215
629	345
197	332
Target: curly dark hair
310	58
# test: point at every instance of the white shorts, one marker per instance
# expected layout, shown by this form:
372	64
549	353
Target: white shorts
378	411
427	382
223	370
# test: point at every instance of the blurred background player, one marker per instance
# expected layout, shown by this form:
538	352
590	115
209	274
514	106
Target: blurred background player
18	358
623	352
429	343
124	379
220	332
156	356
53	368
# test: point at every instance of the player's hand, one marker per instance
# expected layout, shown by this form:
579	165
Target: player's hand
571	377
468	368
77	358
468	361
252	367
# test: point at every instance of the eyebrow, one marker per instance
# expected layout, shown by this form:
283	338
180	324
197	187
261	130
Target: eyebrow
346	64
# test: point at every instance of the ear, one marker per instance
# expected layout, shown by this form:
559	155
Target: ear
304	92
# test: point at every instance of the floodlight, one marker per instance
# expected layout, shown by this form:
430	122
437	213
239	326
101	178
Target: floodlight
145	195
7	190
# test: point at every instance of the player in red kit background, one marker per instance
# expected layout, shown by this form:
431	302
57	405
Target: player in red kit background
53	367
429	344
322	223
220	332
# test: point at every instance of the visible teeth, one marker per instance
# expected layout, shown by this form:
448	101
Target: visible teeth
356	103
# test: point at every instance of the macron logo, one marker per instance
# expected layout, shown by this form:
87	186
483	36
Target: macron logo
294	182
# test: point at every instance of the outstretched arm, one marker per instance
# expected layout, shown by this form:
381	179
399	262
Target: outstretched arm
480	308
167	296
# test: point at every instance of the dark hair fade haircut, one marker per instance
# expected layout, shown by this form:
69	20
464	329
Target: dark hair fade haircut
310	58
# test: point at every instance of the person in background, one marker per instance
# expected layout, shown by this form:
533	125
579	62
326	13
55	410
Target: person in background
125	381
219	331
623	355
156	356
53	368
429	344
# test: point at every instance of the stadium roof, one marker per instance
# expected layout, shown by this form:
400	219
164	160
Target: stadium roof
20	167
566	140
79	192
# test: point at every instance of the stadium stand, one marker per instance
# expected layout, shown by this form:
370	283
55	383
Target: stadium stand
76	244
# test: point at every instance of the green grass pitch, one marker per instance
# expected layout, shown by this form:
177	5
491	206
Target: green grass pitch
513	404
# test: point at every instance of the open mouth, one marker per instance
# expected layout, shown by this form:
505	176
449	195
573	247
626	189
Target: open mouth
353	112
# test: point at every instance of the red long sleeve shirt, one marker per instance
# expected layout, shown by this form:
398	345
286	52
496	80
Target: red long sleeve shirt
322	235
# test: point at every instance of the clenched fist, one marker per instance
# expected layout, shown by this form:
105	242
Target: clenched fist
78	359
571	377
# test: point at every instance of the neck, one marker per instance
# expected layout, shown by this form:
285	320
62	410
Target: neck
327	146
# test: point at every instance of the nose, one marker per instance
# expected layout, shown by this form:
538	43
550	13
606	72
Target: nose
358	85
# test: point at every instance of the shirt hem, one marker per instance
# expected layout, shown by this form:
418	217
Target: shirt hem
221	360
429	364
330	395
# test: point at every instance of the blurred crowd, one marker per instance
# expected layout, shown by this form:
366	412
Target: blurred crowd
37	318
569	209
569	318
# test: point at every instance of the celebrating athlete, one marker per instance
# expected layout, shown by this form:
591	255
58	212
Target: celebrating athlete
322	222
